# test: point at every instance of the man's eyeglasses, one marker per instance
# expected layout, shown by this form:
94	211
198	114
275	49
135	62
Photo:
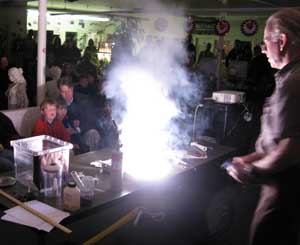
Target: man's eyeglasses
272	39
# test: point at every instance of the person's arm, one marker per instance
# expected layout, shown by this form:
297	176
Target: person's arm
65	134
282	157
285	155
242	169
248	159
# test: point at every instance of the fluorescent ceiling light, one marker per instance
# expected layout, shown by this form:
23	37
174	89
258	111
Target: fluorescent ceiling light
35	13
88	17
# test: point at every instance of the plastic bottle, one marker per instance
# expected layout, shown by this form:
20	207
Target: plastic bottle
71	197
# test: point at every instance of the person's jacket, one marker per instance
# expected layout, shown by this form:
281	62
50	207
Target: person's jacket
7	131
55	129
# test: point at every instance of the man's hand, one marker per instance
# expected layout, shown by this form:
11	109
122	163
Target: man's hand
248	159
71	131
241	172
76	123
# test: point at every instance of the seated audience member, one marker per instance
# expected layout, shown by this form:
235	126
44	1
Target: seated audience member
85	65
16	93
4	81
48	124
70	53
206	53
7	133
235	53
203	87
84	87
105	124
69	73
51	86
72	126
260	76
80	108
93	81
56	49
190	47
91	51
261	82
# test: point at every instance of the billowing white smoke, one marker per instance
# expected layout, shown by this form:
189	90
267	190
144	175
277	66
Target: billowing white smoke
151	93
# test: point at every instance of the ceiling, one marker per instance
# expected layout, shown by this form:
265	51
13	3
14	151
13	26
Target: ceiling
196	7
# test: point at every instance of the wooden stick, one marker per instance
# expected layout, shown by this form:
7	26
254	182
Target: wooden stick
36	213
123	221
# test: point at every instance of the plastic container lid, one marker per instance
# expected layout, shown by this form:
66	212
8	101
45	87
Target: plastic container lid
40	145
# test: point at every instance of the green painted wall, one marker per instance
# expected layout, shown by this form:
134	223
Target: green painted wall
175	30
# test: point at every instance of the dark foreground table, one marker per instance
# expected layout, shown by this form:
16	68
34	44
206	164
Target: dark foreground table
182	198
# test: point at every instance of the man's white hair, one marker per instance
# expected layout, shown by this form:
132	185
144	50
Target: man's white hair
285	21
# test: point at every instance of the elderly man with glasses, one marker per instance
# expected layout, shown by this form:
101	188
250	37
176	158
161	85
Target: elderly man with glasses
275	164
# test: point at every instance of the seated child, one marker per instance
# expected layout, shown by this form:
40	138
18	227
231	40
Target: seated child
72	126
48	124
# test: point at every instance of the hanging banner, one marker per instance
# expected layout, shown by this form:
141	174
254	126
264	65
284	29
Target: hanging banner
205	25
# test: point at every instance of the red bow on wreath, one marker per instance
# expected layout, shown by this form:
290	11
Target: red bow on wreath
249	27
222	27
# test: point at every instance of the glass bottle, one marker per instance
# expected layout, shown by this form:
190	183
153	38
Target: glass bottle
71	197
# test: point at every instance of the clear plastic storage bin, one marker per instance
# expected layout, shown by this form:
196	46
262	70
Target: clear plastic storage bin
33	155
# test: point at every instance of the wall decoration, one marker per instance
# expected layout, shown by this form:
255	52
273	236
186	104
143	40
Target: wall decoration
161	24
190	24
222	27
205	25
249	27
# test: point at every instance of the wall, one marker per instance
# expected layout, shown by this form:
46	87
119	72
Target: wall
234	33
175	25
156	28
13	20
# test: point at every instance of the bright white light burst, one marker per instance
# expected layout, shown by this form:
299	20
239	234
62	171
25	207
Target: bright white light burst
144	128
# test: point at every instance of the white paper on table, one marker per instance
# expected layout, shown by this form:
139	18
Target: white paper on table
100	163
21	216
